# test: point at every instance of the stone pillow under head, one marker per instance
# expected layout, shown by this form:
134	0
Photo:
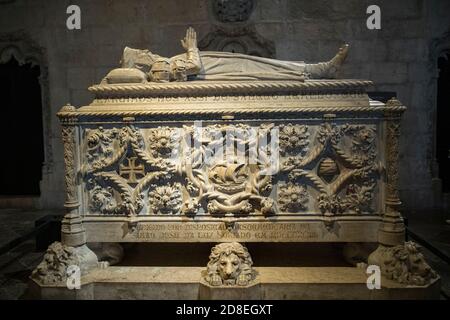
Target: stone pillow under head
125	75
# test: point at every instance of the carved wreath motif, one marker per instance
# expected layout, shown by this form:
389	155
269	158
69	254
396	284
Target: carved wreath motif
108	151
335	164
346	177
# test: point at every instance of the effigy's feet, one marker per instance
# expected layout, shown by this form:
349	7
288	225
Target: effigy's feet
340	57
335	63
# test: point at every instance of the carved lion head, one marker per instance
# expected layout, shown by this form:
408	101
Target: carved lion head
406	264
53	267
229	264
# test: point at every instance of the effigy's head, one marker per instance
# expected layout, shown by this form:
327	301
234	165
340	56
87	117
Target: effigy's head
229	264
178	70
160	71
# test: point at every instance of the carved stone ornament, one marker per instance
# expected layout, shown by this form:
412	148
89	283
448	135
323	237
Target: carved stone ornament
68	137
245	40
403	263
294	139
53	269
165	199
230	264
231	185
232	10
163	141
293	197
118	168
330	169
58	258
215	65
346	170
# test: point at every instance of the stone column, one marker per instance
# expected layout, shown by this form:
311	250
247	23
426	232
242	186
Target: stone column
72	231
398	260
72	252
392	230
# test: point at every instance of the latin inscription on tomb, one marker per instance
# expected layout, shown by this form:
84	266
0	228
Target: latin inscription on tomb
220	232
237	98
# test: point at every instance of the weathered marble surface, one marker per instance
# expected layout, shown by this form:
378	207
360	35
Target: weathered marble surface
401	57
292	160
16	265
157	230
205	65
273	283
134	184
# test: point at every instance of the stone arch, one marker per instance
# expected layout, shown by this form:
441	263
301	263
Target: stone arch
24	50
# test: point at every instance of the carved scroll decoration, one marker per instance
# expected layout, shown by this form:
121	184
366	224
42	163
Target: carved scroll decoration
345	179
110	170
329	168
232	185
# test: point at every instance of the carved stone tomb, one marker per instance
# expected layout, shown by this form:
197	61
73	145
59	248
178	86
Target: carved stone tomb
232	162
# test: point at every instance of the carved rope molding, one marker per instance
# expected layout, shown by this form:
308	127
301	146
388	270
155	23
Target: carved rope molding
211	88
63	115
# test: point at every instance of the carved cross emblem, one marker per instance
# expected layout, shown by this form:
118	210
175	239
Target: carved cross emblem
131	170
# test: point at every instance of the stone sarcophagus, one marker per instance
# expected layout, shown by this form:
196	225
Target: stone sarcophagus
215	161
228	148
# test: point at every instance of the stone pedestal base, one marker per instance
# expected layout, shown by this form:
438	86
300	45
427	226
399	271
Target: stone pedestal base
271	283
250	292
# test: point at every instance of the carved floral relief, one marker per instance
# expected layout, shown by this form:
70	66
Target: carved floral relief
340	166
234	183
165	199
231	169
293	197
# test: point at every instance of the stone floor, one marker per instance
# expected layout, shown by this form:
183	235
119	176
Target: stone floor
432	226
16	222
17	264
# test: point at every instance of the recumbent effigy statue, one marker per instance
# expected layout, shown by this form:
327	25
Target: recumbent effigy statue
143	65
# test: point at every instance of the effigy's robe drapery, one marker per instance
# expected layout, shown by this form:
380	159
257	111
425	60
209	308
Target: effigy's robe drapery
236	66
229	66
